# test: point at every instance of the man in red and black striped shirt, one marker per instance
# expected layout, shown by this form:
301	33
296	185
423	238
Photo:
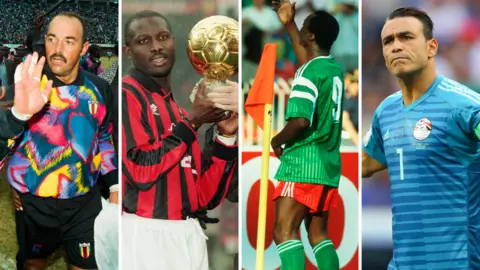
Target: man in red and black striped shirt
167	183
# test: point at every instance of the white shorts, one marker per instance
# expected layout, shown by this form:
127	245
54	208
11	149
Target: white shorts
162	244
106	236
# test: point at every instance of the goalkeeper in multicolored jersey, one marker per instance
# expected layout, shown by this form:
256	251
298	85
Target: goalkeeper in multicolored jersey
310	167
58	151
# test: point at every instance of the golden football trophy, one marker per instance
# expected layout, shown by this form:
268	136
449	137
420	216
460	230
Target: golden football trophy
213	50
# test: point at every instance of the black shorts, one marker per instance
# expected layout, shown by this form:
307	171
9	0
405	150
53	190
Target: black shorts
47	223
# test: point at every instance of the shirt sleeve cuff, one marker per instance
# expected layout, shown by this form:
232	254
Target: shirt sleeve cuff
224	151
228	141
20	116
111	178
372	154
114	188
15	125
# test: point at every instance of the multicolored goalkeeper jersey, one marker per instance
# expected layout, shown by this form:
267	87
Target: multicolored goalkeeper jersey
65	147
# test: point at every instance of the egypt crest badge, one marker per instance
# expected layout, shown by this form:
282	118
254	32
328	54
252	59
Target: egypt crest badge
422	129
93	106
84	250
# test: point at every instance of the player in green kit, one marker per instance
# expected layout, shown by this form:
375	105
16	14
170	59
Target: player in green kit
310	167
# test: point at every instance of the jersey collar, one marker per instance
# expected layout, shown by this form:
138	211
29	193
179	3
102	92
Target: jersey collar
321	57
58	83
429	91
147	82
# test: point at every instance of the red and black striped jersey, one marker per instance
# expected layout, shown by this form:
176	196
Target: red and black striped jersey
164	173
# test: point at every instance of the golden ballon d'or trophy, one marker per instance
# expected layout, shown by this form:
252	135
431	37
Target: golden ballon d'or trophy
213	51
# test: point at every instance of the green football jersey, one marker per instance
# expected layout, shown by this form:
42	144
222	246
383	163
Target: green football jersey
317	95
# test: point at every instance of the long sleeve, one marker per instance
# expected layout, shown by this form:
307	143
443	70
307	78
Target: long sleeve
218	171
10	128
108	163
146	158
232	193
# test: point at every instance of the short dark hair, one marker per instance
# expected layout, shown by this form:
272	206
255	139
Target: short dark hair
325	27
95	51
420	15
79	18
127	32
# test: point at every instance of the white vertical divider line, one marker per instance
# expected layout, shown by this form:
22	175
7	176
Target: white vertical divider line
360	134
119	147
240	132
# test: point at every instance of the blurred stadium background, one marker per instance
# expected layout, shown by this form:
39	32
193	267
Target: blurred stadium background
182	16
457	29
17	20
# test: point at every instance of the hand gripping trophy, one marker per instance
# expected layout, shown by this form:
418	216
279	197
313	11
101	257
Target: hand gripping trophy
213	50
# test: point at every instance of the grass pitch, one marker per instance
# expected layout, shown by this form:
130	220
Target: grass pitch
8	237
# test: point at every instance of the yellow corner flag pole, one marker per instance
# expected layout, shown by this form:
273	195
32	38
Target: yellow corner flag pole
262	207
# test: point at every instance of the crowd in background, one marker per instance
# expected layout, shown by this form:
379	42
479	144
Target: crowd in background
261	25
101	19
98	60
23	32
457	30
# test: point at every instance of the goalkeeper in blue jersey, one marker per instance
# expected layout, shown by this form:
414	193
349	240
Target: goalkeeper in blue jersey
427	136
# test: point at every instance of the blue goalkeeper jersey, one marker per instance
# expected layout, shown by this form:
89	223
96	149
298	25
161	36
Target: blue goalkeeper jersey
431	151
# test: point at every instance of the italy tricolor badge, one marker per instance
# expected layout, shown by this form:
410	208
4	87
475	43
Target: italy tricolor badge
84	250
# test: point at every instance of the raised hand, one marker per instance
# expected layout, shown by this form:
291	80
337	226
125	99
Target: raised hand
225	97
285	10
203	111
29	97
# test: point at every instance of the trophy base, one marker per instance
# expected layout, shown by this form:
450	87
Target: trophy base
209	85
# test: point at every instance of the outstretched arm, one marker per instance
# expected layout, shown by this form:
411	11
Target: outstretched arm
286	13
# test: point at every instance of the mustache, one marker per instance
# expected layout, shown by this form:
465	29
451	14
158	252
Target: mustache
57	55
158	54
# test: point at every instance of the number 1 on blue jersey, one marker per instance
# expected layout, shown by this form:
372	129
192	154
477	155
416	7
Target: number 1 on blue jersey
400	153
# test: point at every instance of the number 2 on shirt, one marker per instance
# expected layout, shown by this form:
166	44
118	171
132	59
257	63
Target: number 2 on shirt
400	153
